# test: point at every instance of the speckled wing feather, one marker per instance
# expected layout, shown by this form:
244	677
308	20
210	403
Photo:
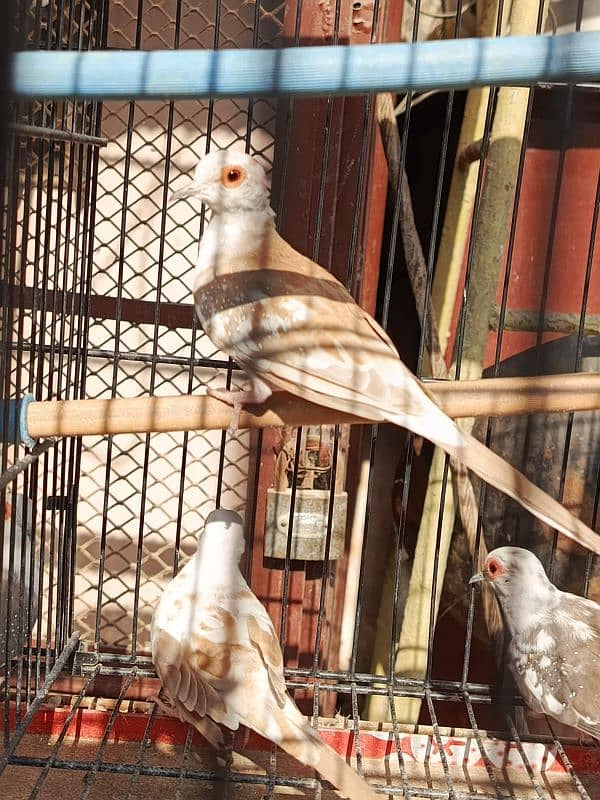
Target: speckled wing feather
220	663
554	664
302	332
267	646
293	326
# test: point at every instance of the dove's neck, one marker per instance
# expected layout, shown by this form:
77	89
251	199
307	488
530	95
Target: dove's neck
233	235
527	606
216	562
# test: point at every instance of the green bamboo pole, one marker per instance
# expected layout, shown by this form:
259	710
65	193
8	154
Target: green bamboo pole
488	245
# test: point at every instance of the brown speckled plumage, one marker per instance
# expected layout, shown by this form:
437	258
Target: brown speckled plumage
293	327
219	661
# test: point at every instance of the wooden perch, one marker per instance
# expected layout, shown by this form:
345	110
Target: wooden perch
485	397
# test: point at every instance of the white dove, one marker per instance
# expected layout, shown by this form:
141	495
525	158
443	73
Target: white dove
219	660
293	327
553	650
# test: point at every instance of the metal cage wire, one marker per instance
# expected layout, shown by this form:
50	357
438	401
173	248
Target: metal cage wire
96	274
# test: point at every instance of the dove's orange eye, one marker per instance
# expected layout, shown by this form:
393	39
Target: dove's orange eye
232	177
494	568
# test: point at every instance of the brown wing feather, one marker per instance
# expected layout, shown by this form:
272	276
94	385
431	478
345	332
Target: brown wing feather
204	724
294	326
270	652
186	676
349	362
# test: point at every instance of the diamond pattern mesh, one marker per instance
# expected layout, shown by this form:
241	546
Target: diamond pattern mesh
145	251
46	210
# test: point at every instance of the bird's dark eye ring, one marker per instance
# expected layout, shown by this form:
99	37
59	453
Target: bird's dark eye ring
232	177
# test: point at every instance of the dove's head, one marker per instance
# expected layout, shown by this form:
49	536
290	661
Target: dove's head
519	582
224	535
227	180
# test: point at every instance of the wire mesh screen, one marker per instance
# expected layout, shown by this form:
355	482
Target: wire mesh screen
379	630
47	220
142	494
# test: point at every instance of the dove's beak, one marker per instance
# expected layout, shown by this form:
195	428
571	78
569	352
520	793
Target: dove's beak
191	190
477	578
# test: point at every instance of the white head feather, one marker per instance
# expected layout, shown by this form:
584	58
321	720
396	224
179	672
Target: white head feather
223	537
227	180
521	585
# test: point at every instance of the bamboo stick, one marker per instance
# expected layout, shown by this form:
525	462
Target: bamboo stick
461	197
484	397
410	649
489	241
517	319
497	198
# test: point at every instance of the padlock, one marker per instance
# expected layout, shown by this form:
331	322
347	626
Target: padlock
309	531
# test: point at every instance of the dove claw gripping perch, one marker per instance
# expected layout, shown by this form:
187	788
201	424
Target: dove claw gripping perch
293	327
554	639
219	661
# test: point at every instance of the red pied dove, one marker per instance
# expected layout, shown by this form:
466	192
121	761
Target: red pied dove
219	660
553	646
293	327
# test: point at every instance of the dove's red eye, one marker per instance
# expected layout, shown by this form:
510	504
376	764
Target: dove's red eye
232	177
494	568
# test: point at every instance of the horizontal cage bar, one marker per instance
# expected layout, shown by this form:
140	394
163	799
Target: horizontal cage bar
514	61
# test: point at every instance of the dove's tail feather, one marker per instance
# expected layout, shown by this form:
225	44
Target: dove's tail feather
329	765
499	473
203	724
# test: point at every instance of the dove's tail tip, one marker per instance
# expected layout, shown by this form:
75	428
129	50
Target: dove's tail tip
335	770
315	753
503	476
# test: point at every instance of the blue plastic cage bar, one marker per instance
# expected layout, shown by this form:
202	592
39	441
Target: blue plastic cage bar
511	61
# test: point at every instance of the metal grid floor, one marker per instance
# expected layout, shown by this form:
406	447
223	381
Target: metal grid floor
72	734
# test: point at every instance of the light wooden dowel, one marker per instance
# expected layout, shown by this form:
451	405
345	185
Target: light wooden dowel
502	397
486	397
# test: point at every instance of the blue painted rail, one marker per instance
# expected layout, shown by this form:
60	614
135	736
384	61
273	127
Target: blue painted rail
513	61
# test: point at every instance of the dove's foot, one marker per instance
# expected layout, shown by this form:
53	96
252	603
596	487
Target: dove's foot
164	707
238	399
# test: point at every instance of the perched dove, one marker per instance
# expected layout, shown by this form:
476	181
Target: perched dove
553	650
293	327
219	660
16	628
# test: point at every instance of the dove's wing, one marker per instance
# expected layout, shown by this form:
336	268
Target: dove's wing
264	640
578	640
296	327
302	332
559	670
187	691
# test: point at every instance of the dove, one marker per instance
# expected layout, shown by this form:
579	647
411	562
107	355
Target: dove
553	650
293	327
218	658
19	624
